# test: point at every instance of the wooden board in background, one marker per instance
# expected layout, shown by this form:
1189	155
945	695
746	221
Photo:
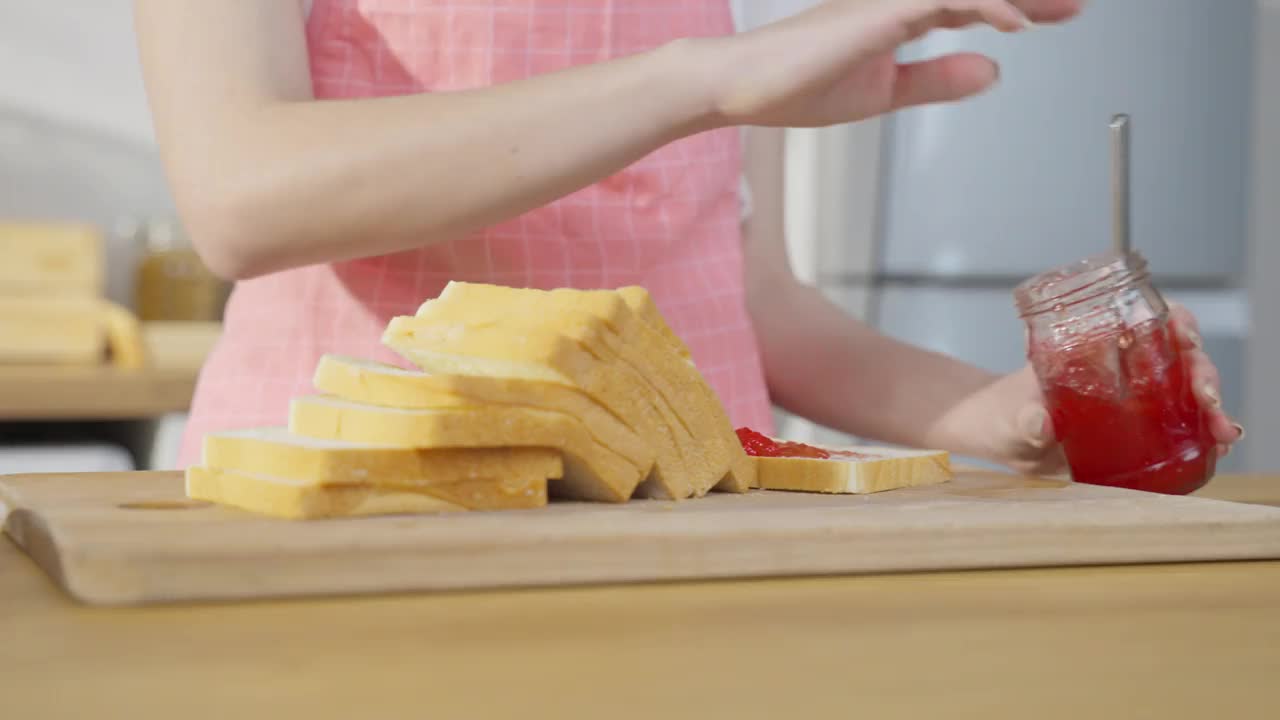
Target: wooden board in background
94	392
174	354
51	258
133	538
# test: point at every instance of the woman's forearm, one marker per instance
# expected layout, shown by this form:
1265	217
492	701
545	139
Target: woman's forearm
268	178
822	364
272	179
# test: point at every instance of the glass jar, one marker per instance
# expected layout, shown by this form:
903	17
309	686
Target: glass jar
1116	385
172	283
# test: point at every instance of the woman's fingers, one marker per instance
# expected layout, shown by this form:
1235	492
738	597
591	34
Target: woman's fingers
943	79
1225	430
1006	15
1050	11
1205	381
1035	426
1186	328
1207	387
931	15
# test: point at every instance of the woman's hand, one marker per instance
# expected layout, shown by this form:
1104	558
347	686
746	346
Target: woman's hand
835	63
1024	437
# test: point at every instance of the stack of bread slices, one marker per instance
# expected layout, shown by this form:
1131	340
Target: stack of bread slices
588	395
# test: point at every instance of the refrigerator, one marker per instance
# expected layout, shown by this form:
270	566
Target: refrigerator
928	218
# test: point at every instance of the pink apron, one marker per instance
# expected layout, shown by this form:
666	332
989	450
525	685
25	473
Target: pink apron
669	223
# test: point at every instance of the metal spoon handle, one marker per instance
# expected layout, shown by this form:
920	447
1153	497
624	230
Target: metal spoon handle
1120	219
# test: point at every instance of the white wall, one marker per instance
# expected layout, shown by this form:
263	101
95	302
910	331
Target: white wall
73	61
75	134
1262	414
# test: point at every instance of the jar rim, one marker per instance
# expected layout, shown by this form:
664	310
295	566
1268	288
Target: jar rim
1079	281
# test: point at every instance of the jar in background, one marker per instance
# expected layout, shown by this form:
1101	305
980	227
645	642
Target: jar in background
1116	385
172	283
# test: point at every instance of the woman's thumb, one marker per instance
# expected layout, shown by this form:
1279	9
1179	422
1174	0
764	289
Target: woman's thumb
1035	426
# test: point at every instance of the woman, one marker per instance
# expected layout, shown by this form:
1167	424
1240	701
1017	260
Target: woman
344	161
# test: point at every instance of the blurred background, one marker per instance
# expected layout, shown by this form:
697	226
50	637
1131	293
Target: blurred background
920	223
105	313
923	222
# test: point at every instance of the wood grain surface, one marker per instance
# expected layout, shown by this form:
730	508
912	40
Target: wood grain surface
1173	642
133	538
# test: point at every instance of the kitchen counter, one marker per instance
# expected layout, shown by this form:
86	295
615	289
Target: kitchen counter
1174	641
176	352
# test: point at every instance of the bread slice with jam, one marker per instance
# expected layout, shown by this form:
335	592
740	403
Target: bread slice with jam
783	465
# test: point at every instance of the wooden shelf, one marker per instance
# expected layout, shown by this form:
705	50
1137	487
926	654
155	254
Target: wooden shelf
175	351
93	393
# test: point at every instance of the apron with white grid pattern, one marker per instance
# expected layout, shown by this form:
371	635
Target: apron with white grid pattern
669	223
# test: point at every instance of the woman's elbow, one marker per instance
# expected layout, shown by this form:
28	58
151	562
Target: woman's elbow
228	239
223	251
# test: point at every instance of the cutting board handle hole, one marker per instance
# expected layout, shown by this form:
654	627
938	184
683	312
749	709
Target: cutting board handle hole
164	505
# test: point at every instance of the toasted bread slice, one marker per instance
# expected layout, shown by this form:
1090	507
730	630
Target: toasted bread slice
591	471
275	452
854	470
293	499
545	355
633	333
374	383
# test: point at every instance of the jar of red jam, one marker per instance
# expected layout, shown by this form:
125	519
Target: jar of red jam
1115	383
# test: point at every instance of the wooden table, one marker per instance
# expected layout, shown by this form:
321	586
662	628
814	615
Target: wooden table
176	351
1177	641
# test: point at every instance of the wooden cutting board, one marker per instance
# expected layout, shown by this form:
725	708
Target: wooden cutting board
134	538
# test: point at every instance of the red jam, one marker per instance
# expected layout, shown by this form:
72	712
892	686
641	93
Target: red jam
760	445
1125	413
1116	385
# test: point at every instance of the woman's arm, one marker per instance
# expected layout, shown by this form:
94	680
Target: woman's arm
829	367
824	365
268	178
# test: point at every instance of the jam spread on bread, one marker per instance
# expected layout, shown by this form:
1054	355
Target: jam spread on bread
760	445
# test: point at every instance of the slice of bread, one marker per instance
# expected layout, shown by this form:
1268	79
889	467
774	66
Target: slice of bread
492	347
855	470
742	471
374	383
275	452
591	471
623	328
285	498
599	321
